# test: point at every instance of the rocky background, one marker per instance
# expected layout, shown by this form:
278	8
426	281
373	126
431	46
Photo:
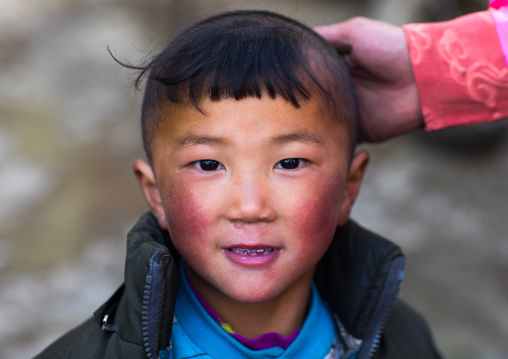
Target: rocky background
69	134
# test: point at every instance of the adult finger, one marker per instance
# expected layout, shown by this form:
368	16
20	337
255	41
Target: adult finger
337	36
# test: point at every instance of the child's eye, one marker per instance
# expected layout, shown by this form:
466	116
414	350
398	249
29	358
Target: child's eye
208	165
290	163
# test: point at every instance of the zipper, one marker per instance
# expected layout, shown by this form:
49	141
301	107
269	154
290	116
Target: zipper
383	310
152	312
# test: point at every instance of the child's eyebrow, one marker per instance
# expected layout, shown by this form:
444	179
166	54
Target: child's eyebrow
189	140
299	136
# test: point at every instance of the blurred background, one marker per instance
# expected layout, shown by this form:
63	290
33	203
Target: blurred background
69	134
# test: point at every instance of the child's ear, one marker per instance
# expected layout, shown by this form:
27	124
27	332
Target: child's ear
146	180
353	182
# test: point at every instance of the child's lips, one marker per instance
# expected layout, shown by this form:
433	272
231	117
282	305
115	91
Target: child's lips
252	256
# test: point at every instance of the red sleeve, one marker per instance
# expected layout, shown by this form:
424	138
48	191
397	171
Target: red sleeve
460	71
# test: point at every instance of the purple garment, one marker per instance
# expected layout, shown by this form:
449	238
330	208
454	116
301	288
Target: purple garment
268	340
265	341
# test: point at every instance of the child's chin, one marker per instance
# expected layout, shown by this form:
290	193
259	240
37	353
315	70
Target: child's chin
250	300
252	296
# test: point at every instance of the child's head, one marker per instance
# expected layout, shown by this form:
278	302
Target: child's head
246	54
249	122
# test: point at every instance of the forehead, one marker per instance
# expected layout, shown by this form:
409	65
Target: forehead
249	118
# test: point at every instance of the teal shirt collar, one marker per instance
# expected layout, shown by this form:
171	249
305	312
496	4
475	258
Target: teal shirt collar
196	333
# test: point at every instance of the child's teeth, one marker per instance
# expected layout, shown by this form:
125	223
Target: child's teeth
253	252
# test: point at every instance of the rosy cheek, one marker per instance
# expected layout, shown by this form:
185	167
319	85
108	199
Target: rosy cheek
189	218
317	215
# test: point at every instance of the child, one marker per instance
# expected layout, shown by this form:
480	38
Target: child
249	125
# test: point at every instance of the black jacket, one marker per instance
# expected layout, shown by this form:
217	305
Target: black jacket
358	277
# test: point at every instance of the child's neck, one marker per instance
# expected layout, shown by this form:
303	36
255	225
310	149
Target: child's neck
283	314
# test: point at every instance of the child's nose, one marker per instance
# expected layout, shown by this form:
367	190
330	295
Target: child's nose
250	201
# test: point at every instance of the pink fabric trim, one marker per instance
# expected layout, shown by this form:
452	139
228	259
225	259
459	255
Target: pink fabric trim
496	4
499	11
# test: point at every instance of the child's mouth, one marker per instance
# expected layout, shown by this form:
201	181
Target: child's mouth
252	257
252	252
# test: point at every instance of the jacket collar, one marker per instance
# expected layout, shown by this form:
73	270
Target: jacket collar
359	277
151	261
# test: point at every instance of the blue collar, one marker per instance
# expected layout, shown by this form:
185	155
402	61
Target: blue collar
196	333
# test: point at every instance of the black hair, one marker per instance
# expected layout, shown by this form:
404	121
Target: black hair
241	54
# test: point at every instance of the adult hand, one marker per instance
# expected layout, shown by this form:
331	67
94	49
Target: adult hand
378	59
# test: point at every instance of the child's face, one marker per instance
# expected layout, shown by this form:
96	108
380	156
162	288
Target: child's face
252	192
